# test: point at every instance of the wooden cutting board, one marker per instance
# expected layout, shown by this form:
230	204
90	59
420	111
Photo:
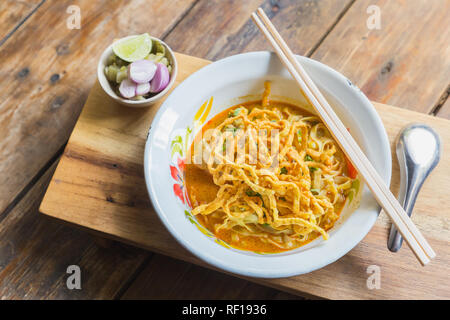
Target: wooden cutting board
99	184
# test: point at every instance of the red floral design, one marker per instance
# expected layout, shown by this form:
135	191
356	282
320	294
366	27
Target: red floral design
178	175
181	165
178	190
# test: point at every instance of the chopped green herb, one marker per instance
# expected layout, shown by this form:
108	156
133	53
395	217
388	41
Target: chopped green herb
308	158
265	224
236	112
252	193
283	198
312	169
315	191
283	170
299	135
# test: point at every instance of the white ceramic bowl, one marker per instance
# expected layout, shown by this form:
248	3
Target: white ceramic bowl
135	103
237	79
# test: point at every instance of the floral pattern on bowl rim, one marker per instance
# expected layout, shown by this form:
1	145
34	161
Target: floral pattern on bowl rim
180	145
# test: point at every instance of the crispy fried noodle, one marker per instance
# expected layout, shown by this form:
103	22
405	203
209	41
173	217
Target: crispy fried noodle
286	193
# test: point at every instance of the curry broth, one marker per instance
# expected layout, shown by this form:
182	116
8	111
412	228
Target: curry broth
201	188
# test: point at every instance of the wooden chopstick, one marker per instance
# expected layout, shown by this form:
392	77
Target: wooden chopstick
389	205
316	97
381	192
352	144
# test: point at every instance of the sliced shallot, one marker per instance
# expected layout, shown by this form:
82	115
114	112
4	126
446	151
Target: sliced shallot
141	71
127	89
142	88
161	79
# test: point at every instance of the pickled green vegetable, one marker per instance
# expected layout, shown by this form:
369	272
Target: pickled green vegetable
111	59
159	47
111	72
121	74
120	63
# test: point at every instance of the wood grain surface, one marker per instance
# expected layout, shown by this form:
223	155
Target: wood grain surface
404	63
305	23
100	184
43	92
193	282
35	253
49	69
42	95
13	13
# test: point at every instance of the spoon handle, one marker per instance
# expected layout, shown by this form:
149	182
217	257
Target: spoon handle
407	198
413	172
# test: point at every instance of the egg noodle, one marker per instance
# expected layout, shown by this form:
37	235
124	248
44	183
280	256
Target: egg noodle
287	195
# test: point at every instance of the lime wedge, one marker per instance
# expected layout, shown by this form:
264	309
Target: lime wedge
133	49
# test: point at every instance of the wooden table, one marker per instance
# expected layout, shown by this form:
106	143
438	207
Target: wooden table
47	71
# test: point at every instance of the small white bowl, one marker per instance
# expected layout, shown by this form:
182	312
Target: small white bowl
135	103
234	80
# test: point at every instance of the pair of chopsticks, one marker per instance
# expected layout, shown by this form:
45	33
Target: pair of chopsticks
381	192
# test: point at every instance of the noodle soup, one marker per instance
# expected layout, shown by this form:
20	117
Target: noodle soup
273	178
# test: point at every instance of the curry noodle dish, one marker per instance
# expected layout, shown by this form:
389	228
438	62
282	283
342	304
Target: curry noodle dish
273	178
